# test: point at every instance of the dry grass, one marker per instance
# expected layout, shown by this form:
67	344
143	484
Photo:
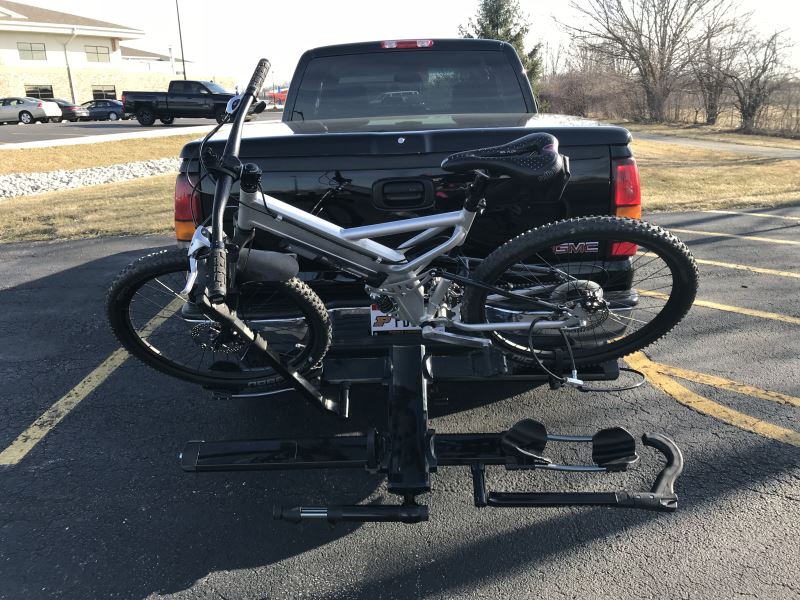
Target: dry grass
712	134
679	178
30	160
128	208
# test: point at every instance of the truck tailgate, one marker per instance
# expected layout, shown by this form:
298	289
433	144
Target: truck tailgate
358	176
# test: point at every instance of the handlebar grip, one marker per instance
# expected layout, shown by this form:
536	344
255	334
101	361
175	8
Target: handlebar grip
259	75
665	482
218	286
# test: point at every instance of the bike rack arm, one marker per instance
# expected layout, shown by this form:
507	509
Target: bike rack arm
665	482
661	496
343	452
296	380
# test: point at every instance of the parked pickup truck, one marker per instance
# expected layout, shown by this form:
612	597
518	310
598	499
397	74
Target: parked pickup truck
196	99
366	126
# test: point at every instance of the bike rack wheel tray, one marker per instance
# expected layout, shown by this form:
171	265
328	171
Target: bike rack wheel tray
409	451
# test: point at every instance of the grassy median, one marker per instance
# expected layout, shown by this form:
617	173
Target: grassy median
674	177
101	154
711	133
132	207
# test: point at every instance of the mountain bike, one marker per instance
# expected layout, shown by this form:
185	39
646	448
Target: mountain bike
592	289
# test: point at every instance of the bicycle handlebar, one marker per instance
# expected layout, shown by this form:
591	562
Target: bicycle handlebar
218	274
259	75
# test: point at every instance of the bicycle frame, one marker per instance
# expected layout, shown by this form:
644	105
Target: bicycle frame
385	270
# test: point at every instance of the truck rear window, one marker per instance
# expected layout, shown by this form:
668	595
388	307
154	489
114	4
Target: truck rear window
408	83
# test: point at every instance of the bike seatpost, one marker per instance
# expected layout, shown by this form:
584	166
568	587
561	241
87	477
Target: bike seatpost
476	192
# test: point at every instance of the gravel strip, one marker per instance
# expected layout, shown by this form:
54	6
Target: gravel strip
24	184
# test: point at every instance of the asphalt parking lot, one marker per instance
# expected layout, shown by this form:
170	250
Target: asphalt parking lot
94	504
13	134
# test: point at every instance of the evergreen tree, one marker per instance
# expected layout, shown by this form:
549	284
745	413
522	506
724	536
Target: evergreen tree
504	20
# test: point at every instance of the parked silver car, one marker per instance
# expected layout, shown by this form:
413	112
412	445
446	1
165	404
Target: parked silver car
28	110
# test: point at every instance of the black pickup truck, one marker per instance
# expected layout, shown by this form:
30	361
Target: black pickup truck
366	126
195	99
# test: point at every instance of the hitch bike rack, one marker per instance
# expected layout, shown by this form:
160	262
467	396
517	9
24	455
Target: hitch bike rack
408	452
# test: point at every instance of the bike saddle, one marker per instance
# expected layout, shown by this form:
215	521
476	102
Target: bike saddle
532	159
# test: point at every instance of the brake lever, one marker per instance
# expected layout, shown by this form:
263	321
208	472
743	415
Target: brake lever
200	239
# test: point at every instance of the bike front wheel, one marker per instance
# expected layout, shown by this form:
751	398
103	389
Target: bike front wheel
171	334
628	281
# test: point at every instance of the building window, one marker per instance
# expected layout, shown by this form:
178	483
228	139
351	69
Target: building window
104	92
97	53
43	92
31	51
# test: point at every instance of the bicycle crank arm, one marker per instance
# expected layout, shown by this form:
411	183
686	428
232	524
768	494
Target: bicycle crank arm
298	382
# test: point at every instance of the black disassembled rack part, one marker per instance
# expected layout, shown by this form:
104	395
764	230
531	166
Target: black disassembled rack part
409	450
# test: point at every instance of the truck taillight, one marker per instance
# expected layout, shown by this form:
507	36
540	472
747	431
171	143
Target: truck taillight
393	44
122	98
626	189
627	198
187	208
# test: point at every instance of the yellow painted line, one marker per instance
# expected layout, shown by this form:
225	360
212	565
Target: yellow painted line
728	384
716	263
750	312
763	271
25	442
747	214
708	407
753	238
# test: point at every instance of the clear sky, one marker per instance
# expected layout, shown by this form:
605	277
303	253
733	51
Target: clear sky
228	37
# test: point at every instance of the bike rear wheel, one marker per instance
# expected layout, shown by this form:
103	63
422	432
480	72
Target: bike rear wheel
630	282
172	335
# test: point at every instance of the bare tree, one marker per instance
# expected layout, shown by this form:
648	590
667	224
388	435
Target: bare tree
713	57
657	36
758	71
590	83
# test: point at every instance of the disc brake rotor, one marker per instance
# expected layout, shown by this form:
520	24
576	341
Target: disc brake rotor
585	300
210	336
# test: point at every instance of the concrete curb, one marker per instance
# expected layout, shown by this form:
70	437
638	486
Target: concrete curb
111	137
